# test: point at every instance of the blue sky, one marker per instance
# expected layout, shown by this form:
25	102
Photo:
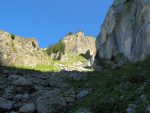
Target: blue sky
50	20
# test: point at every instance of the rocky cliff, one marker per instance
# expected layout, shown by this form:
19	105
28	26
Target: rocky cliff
76	44
80	44
17	51
126	31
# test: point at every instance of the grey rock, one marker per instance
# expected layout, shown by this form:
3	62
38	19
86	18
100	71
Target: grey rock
77	75
50	102
18	105
13	77
8	92
121	97
143	97
97	67
22	96
125	31
83	110
131	108
82	93
70	99
6	104
27	108
38	87
69	96
5	71
147	110
21	81
13	112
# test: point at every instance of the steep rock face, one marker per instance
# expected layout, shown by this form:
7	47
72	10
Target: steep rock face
80	44
126	31
17	51
76	44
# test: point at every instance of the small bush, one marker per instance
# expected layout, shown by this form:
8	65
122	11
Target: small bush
70	33
59	47
13	36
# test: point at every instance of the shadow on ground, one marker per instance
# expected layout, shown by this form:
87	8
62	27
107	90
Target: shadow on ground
32	91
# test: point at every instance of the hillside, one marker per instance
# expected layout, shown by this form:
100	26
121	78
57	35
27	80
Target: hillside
73	52
18	51
121	90
35	83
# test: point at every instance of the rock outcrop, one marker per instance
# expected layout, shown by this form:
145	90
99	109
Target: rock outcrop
17	51
125	31
80	44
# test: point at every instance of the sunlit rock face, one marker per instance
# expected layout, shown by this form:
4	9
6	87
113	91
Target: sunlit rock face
77	44
80	44
126	30
17	51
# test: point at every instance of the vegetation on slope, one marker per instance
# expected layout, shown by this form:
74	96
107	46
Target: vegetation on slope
42	68
58	47
72	59
70	33
13	36
112	91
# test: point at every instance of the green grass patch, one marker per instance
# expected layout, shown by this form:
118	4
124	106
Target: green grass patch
114	90
72	59
47	68
43	68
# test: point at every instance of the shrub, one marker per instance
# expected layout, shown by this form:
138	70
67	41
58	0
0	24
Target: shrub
13	36
70	33
58	47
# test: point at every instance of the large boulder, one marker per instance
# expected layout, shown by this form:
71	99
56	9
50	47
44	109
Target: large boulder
125	31
49	103
17	51
5	105
27	108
